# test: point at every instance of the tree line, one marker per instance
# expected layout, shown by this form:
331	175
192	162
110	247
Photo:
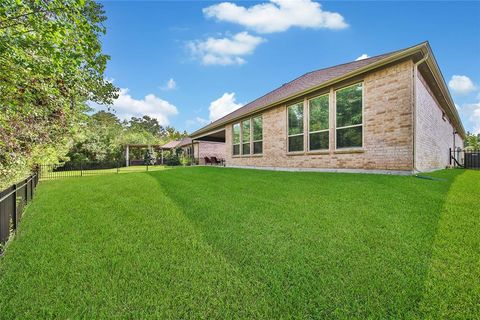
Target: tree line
51	66
102	137
472	141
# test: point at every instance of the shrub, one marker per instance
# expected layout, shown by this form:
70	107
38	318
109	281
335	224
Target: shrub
185	160
171	158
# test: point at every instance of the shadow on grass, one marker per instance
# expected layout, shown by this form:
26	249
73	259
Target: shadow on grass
452	285
319	244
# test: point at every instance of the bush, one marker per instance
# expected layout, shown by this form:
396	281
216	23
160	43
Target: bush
171	158
150	157
185	160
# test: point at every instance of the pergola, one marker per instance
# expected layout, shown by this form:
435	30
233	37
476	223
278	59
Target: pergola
143	146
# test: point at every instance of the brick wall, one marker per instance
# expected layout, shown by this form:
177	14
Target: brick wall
387	130
209	149
434	132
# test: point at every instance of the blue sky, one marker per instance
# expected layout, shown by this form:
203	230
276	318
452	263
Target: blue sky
189	62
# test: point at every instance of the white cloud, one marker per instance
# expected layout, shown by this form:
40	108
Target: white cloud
363	56
170	85
277	16
223	106
194	123
473	111
470	113
461	84
125	107
202	121
224	51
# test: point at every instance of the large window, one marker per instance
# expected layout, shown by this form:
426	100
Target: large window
318	123
257	135
236	139
295	127
246	136
349	107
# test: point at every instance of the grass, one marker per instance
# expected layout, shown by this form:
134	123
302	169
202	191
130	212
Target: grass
231	243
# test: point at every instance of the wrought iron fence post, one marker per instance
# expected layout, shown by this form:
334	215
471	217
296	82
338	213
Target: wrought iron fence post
14	212
25	200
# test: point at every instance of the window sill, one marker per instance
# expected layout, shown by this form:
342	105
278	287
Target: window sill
296	153
249	155
318	152
349	150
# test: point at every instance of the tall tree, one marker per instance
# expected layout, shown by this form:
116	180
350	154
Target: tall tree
472	141
51	63
148	124
173	134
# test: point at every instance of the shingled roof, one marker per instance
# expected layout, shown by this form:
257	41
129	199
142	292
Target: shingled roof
300	84
328	76
171	145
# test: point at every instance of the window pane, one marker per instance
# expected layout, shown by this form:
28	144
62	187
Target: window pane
318	113
257	147
349	137
257	128
295	119
236	149
349	106
295	143
319	140
236	133
246	131
246	148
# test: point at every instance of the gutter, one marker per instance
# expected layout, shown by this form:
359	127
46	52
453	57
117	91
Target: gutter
394	57
414	107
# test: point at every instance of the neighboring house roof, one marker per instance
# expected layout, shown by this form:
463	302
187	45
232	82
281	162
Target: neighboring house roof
324	77
184	142
177	143
171	144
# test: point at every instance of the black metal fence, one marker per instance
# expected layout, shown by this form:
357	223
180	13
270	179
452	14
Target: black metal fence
468	159
12	205
67	170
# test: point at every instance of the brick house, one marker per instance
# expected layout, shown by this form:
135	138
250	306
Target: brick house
390	113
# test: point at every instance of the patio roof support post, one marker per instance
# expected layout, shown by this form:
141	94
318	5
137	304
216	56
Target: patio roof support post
192	154
127	155
161	154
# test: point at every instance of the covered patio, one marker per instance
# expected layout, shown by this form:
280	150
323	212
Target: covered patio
208	145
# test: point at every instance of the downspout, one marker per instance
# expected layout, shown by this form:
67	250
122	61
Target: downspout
414	107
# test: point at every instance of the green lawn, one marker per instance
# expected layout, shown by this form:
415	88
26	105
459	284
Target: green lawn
230	243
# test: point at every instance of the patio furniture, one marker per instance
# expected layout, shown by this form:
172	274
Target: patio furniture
207	160
215	160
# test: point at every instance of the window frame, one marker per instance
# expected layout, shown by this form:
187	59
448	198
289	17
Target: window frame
252	137
240	139
240	144
298	134
350	126
327	94
249	120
